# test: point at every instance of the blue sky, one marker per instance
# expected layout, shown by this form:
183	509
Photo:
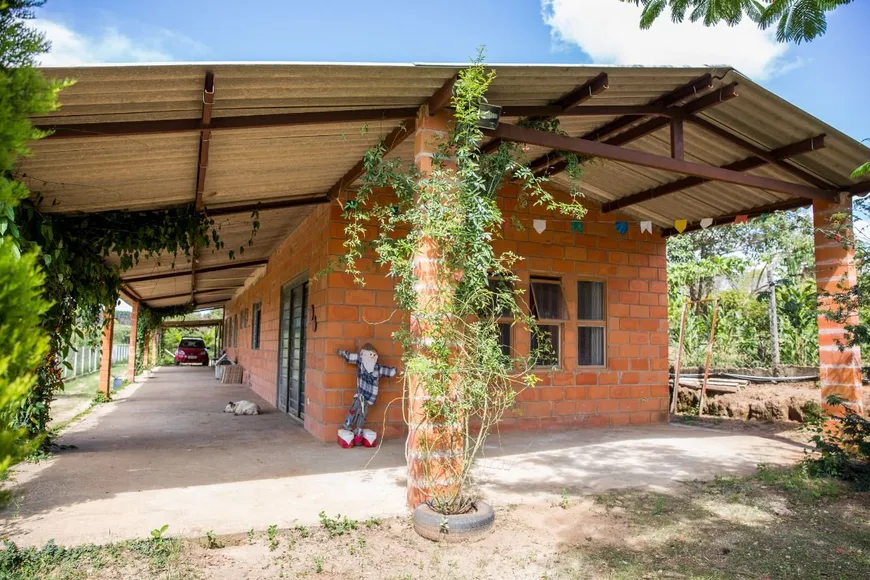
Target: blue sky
827	77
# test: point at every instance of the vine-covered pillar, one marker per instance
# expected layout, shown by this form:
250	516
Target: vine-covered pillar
434	448
131	355
106	353
839	363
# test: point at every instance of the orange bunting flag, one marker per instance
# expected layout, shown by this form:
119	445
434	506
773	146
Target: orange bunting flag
741	219
680	225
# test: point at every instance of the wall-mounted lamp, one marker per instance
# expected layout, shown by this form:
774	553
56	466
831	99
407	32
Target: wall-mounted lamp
489	116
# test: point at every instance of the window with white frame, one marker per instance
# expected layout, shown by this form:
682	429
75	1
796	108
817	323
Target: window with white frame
550	310
590	323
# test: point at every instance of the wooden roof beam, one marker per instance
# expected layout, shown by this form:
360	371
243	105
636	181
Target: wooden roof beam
186	271
204	137
753	162
441	98
566	103
183	294
643	159
169	126
759	152
547	165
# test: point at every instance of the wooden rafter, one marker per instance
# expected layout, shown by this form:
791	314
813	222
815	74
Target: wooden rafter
440	99
565	104
752	162
759	152
186	271
634	157
168	126
694	87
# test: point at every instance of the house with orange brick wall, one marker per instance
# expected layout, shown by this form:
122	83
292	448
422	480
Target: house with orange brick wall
270	152
610	339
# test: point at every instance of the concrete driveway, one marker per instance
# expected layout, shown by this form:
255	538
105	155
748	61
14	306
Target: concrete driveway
165	453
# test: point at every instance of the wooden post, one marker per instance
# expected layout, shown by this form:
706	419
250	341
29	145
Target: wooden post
709	357
774	322
678	364
131	355
106	354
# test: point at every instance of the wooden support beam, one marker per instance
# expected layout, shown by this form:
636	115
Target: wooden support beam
204	137
633	157
760	152
183	294
390	142
442	97
752	213
753	162
567	103
549	165
266	205
125	289
168	126
191	323
678	146
186	271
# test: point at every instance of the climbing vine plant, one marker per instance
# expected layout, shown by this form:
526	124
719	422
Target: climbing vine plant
82	282
448	219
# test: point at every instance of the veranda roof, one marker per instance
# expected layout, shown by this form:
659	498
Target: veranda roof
288	136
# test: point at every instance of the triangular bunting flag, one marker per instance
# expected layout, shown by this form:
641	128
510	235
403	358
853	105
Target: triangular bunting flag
577	227
622	227
741	219
539	225
646	227
706	223
680	225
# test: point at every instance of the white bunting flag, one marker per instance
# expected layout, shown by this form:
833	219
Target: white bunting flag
646	227
539	225
706	223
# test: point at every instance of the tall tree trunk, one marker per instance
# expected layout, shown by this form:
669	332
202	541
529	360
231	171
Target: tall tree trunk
774	323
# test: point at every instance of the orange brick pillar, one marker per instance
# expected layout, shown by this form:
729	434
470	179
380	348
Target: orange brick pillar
106	354
434	448
839	364
131	356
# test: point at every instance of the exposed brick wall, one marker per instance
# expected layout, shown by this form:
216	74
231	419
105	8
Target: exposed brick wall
631	388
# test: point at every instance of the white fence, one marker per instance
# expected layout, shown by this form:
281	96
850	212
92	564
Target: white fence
87	360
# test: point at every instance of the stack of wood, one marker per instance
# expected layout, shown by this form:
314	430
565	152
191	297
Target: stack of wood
714	385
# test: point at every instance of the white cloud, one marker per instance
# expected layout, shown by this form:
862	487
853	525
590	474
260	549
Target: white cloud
71	48
608	31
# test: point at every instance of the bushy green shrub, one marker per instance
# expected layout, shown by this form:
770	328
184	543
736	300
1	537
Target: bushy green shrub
843	445
22	343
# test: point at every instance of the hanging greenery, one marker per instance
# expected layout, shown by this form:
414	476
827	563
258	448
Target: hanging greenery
449	218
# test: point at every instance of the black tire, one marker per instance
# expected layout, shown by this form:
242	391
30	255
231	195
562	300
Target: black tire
205	364
457	528
176	363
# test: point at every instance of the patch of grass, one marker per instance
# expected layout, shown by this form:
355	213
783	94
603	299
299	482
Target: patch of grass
302	530
318	564
156	557
272	535
212	542
251	536
337	526
372	523
777	523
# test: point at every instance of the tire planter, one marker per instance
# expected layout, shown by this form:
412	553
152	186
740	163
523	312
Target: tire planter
454	528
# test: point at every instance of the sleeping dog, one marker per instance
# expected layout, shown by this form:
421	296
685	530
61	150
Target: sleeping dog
242	408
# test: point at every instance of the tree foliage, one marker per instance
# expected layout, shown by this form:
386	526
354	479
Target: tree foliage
795	20
22	345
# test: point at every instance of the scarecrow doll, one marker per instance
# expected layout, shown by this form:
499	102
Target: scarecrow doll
368	372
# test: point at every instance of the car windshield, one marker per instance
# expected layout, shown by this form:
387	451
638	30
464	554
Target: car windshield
191	343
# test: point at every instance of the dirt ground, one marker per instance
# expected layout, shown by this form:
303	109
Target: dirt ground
761	401
165	453
776	524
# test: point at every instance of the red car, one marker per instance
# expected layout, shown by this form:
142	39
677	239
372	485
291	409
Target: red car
191	351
